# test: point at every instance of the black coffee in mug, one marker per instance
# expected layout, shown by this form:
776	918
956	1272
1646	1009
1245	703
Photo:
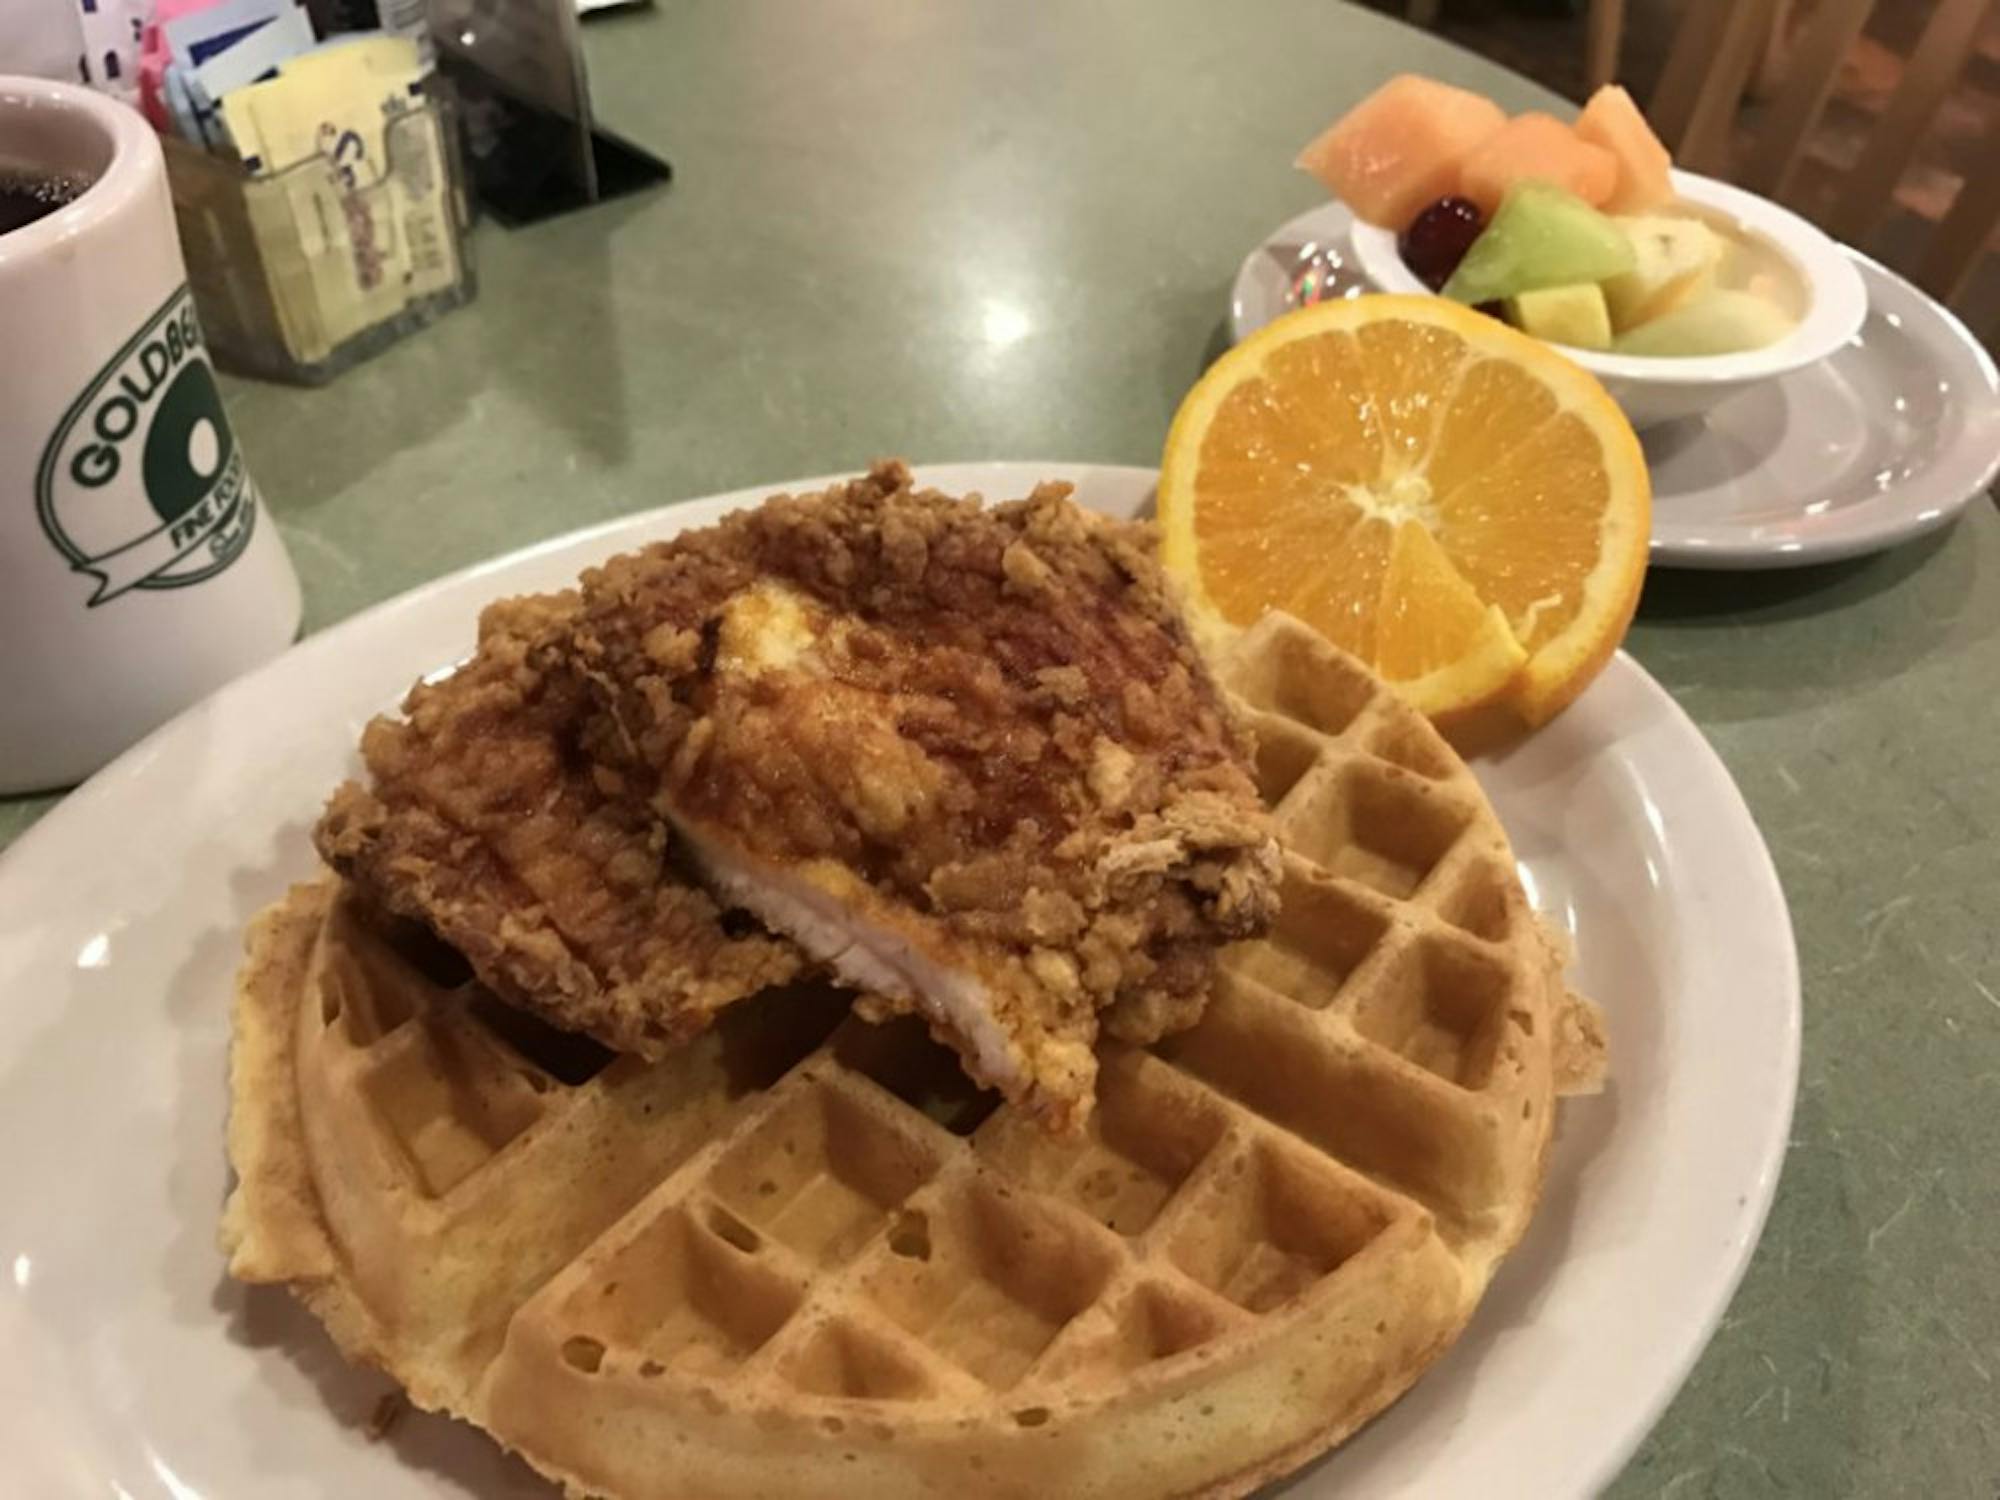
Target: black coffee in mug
26	196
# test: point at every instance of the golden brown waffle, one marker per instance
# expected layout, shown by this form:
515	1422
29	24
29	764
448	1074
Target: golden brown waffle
804	1257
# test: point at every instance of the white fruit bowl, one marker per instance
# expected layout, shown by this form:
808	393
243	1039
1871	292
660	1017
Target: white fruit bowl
1656	389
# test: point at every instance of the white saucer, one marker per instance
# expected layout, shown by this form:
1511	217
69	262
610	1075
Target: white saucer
1888	439
135	1367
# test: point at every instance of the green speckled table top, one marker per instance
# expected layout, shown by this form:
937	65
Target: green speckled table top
958	232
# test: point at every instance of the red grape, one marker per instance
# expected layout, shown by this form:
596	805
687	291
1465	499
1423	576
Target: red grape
1438	238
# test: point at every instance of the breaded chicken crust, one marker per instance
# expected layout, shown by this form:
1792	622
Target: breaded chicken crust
967	755
485	822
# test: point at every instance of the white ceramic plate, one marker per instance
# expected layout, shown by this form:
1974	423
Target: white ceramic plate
135	1369
1886	440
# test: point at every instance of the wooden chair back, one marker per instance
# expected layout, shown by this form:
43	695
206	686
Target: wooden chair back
1715	54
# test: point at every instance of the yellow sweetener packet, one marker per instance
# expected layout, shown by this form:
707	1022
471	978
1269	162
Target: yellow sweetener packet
322	127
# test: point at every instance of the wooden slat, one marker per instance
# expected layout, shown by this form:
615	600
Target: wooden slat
1734	53
1811	72
1939	58
1961	239
1686	69
1769	74
1604	35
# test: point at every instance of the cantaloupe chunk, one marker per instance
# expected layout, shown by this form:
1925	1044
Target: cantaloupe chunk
1613	121
1541	147
1399	150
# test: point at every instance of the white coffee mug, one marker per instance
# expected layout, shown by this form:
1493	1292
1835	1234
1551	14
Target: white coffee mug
138	570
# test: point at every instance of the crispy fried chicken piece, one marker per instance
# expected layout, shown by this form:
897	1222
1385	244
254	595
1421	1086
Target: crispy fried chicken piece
486	824
968	757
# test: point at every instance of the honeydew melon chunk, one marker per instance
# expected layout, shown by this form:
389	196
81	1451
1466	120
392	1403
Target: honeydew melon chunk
1721	322
1542	236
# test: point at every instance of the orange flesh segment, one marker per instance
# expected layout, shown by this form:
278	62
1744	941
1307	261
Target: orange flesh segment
1428	616
1340	599
1525	532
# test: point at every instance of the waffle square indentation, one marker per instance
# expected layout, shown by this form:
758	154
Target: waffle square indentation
1154	1320
1344	1098
1374	826
367	987
1322	935
1483	901
1411	743
839	1359
1273	1225
1285	752
1150	1129
682	1298
1301	677
1442	1004
821	1174
990	1281
448	1104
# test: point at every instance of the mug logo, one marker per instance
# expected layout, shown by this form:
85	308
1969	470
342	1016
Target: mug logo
142	485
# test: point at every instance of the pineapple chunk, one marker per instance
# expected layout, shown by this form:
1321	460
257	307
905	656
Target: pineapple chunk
1674	261
1574	315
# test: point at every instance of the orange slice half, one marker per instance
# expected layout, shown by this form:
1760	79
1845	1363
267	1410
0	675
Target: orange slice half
1449	499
